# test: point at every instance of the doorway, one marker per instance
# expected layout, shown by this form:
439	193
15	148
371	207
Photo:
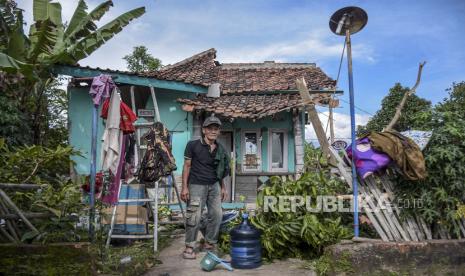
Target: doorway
226	140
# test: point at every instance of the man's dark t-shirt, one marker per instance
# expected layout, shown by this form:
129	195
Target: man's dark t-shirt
203	164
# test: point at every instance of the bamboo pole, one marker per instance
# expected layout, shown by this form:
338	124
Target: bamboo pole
7	186
7	200
9	225
389	214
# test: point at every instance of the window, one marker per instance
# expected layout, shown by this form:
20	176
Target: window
277	150
251	151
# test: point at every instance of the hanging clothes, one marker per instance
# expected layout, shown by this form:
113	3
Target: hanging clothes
111	196
128	117
112	135
405	153
129	157
101	88
158	160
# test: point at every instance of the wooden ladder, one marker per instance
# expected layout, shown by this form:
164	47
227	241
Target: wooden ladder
154	200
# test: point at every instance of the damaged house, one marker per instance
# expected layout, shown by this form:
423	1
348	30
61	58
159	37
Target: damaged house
258	103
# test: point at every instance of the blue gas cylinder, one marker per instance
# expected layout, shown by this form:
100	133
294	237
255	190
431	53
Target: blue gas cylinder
246	250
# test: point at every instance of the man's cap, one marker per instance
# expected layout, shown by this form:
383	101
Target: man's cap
212	120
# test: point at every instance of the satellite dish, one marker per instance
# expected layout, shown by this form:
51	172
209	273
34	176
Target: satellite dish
348	18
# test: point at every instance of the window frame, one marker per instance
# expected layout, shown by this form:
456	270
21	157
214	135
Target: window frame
285	149
259	150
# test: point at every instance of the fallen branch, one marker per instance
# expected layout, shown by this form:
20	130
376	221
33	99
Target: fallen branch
404	99
33	172
307	99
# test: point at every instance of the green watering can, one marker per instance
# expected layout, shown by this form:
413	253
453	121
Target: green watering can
210	261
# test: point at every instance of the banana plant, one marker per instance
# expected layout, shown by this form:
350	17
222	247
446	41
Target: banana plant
50	41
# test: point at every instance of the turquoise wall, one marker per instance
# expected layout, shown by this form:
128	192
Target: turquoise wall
80	119
176	120
80	128
282	120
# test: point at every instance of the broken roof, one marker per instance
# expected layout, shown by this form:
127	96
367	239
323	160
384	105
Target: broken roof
253	106
203	69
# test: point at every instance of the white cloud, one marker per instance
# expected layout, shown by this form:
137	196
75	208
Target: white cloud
341	126
316	45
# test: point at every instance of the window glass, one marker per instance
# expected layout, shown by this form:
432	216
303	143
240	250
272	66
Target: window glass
251	143
277	150
251	151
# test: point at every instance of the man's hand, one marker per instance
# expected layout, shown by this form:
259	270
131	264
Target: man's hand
184	194
224	193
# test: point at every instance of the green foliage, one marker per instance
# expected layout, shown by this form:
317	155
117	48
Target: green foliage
34	164
141	61
224	239
443	191
58	195
50	40
326	265
300	233
314	160
30	58
409	116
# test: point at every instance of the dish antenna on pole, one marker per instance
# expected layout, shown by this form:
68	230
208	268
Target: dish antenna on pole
347	21
348	18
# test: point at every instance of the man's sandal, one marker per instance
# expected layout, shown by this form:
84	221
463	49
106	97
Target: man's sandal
189	253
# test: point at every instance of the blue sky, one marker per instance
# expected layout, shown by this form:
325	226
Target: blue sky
398	36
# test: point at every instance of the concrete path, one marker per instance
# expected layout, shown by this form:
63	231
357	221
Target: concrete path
174	265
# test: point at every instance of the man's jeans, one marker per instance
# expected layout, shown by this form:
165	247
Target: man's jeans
199	197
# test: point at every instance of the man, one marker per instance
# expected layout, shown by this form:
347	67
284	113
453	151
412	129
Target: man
206	164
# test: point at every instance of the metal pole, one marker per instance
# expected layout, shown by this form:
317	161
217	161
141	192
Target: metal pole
352	127
93	171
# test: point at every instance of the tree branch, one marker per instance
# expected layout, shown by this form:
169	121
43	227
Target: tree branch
404	99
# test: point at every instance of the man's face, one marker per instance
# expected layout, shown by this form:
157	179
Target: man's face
211	132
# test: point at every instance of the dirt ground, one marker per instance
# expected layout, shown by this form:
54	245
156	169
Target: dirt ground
174	265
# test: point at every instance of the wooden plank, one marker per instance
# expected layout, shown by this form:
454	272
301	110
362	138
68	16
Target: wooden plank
407	226
314	119
28	215
385	218
132	236
16	209
382	221
377	226
342	168
370	181
460	226
155	104
426	229
11	186
442	232
7	235
9	225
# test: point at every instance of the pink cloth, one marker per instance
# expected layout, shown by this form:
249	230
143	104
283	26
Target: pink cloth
111	197
101	88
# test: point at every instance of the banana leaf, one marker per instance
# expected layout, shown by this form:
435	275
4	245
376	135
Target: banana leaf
82	24
11	65
92	42
43	39
44	9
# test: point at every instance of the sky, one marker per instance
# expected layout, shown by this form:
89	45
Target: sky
398	36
